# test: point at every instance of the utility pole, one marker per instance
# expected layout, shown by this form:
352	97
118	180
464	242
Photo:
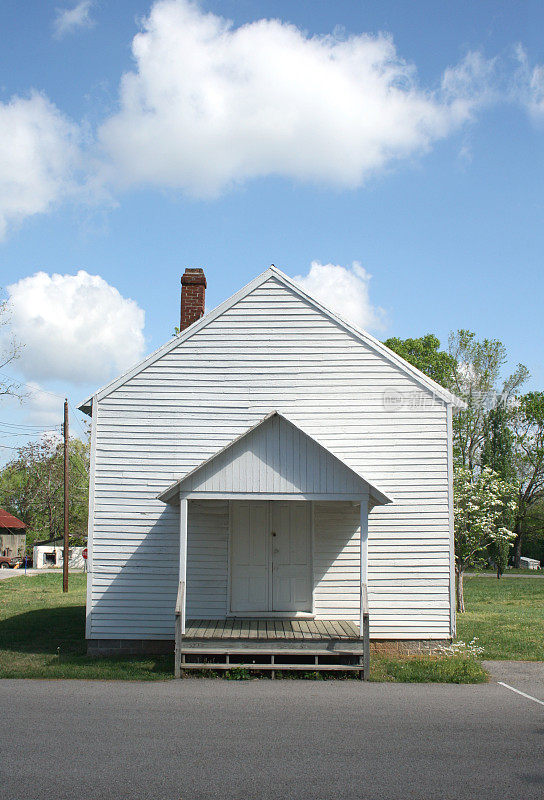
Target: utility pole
66	501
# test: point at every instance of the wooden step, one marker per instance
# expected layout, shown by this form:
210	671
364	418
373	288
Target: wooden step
276	667
269	651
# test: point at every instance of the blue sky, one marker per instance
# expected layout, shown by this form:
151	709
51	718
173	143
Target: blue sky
410	141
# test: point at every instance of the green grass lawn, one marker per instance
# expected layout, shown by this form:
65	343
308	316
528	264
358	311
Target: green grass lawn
42	634
506	615
531	573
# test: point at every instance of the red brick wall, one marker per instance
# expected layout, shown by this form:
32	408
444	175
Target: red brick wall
193	288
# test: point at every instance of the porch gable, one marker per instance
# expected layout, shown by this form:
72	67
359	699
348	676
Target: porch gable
274	459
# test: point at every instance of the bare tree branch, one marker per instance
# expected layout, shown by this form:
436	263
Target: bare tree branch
10	351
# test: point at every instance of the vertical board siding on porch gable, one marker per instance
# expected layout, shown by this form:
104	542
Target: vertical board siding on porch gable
273	350
275	457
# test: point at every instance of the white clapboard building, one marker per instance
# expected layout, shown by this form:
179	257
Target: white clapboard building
261	470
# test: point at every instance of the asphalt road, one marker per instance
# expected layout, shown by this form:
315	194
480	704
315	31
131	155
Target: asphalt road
287	740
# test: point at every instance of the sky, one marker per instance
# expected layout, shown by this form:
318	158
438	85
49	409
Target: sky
388	156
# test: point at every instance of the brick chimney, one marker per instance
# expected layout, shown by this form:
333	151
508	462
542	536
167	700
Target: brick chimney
193	288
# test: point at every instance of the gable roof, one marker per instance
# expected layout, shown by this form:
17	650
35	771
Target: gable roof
273	272
275	456
7	520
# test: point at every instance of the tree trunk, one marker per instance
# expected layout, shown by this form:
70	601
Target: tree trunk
50	515
459	589
517	544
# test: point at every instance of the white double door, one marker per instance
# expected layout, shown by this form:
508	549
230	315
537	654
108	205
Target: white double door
270	556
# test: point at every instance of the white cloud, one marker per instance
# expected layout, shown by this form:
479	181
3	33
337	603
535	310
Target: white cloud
76	328
528	85
210	105
536	103
42	407
471	82
39	156
344	290
69	20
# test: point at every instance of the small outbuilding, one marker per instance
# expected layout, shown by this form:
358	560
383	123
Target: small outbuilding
529	563
49	555
12	535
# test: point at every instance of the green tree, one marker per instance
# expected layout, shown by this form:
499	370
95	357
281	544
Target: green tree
487	434
479	504
32	488
498	455
497	449
477	381
425	354
499	552
533	532
528	443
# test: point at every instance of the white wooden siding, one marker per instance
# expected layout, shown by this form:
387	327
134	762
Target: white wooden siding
275	458
207	559
337	534
271	350
394	602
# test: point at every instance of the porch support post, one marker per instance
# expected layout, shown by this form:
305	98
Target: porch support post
181	597
363	554
364	623
183	558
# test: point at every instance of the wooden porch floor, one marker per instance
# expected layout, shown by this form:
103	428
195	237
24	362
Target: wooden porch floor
271	629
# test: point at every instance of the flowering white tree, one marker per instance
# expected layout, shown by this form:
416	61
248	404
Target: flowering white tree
479	505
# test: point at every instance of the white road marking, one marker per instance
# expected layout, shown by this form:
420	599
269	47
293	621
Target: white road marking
517	691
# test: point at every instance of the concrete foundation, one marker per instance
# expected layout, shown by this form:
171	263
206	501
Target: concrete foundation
142	647
129	647
406	647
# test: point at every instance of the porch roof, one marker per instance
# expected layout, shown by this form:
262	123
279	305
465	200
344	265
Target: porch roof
274	458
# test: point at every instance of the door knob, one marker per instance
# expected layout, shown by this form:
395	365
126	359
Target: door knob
273	533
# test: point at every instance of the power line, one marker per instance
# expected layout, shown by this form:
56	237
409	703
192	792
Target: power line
31	386
78	420
11	435
31	432
34	388
7	432
79	469
25	425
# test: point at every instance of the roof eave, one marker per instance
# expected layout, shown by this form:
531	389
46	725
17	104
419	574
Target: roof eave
179	338
86	407
428	383
382	498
